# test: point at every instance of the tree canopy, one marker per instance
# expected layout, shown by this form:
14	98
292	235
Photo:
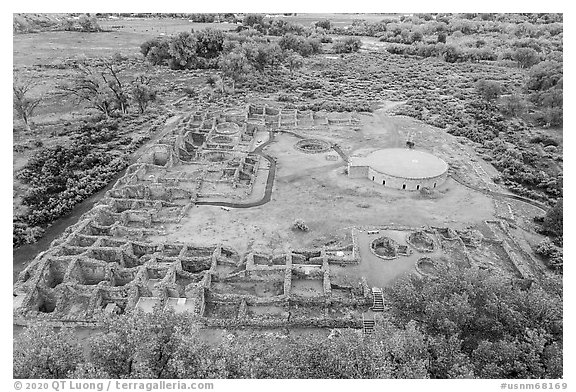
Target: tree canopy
468	323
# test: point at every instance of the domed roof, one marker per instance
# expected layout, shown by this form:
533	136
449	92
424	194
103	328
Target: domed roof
406	163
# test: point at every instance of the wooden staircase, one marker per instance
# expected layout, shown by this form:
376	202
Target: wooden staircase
377	300
368	325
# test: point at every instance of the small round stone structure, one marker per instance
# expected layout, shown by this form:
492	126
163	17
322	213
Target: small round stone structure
400	168
421	241
217	156
227	128
385	248
312	146
221	139
427	266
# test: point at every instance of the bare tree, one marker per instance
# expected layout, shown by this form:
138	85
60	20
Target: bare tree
115	85
23	104
99	87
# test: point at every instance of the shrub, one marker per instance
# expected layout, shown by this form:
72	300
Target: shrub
59	176
185	50
304	47
347	45
299	225
209	43
488	89
253	20
553	221
156	50
324	24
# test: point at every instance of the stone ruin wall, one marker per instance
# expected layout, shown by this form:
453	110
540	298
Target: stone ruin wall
106	264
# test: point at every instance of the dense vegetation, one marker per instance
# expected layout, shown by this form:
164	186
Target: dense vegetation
468	324
490	78
34	23
91	152
61	176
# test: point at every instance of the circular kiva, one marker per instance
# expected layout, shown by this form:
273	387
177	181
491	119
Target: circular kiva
217	156
227	128
385	248
221	139
406	163
427	267
421	241
312	146
400	168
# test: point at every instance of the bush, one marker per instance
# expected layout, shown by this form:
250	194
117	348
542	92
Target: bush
22	233
526	57
185	50
59	177
156	50
304	47
253	20
553	221
488	89
299	225
324	24
552	253
347	45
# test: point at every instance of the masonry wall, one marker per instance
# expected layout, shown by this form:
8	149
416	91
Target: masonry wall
396	182
358	171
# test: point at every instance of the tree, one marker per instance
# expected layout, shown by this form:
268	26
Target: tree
416	36
544	76
140	345
23	104
451	53
305	47
156	50
441	37
88	24
209	43
67	25
274	56
40	352
216	83
482	312
234	66
324	24
100	87
526	57
553	221
348	45
263	55
110	76
293	61
183	51
257	55
489	90
253	20
142	92
513	105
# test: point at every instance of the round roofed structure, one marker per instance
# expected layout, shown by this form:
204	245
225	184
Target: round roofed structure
400	168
